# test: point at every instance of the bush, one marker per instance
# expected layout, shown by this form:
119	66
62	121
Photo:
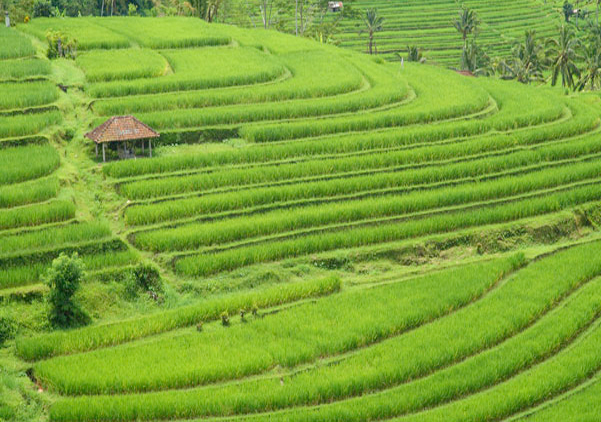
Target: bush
144	278
60	45
7	329
64	278
225	319
42	8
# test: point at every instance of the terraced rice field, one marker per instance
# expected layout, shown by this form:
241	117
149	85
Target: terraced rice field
433	237
39	216
429	26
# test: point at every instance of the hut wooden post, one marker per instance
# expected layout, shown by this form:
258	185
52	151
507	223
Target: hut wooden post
124	133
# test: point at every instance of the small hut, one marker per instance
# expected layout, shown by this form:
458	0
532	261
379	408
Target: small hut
335	6
123	133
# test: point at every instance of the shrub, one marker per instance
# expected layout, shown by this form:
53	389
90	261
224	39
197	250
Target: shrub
42	8
148	278
61	45
145	278
7	329
64	278
225	319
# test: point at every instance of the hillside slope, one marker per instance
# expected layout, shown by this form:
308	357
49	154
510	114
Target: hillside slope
429	26
317	215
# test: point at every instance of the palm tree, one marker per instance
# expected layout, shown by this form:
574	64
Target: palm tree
466	23
531	53
414	54
475	60
373	23
564	53
591	76
518	69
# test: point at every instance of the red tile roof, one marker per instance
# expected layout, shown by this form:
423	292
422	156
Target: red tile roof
121	128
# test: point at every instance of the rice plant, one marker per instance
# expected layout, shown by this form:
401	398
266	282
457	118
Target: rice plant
126	64
95	337
22	95
14	45
402	307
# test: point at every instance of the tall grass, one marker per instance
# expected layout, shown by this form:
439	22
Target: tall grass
455	100
314	75
28	192
21	95
551	378
290	220
34	215
369	183
167	32
583	403
53	237
583	121
33	272
95	337
203	265
125	64
88	33
14	45
20	69
199	69
28	124
344	166
534	314
298	335
437	99
40	160
274	111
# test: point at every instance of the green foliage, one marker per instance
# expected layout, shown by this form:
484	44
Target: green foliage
8	329
466	23
19	95
414	54
254	347
28	124
334	163
14	45
42	8
23	68
63	279
145	278
41	159
199	69
373	23
60	45
93	337
125	64
132	9
568	10
564	55
521	323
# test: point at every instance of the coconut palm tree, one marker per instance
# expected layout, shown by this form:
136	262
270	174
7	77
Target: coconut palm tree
523	72
591	76
466	23
414	54
527	61
531	53
475	60
564	54
373	23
